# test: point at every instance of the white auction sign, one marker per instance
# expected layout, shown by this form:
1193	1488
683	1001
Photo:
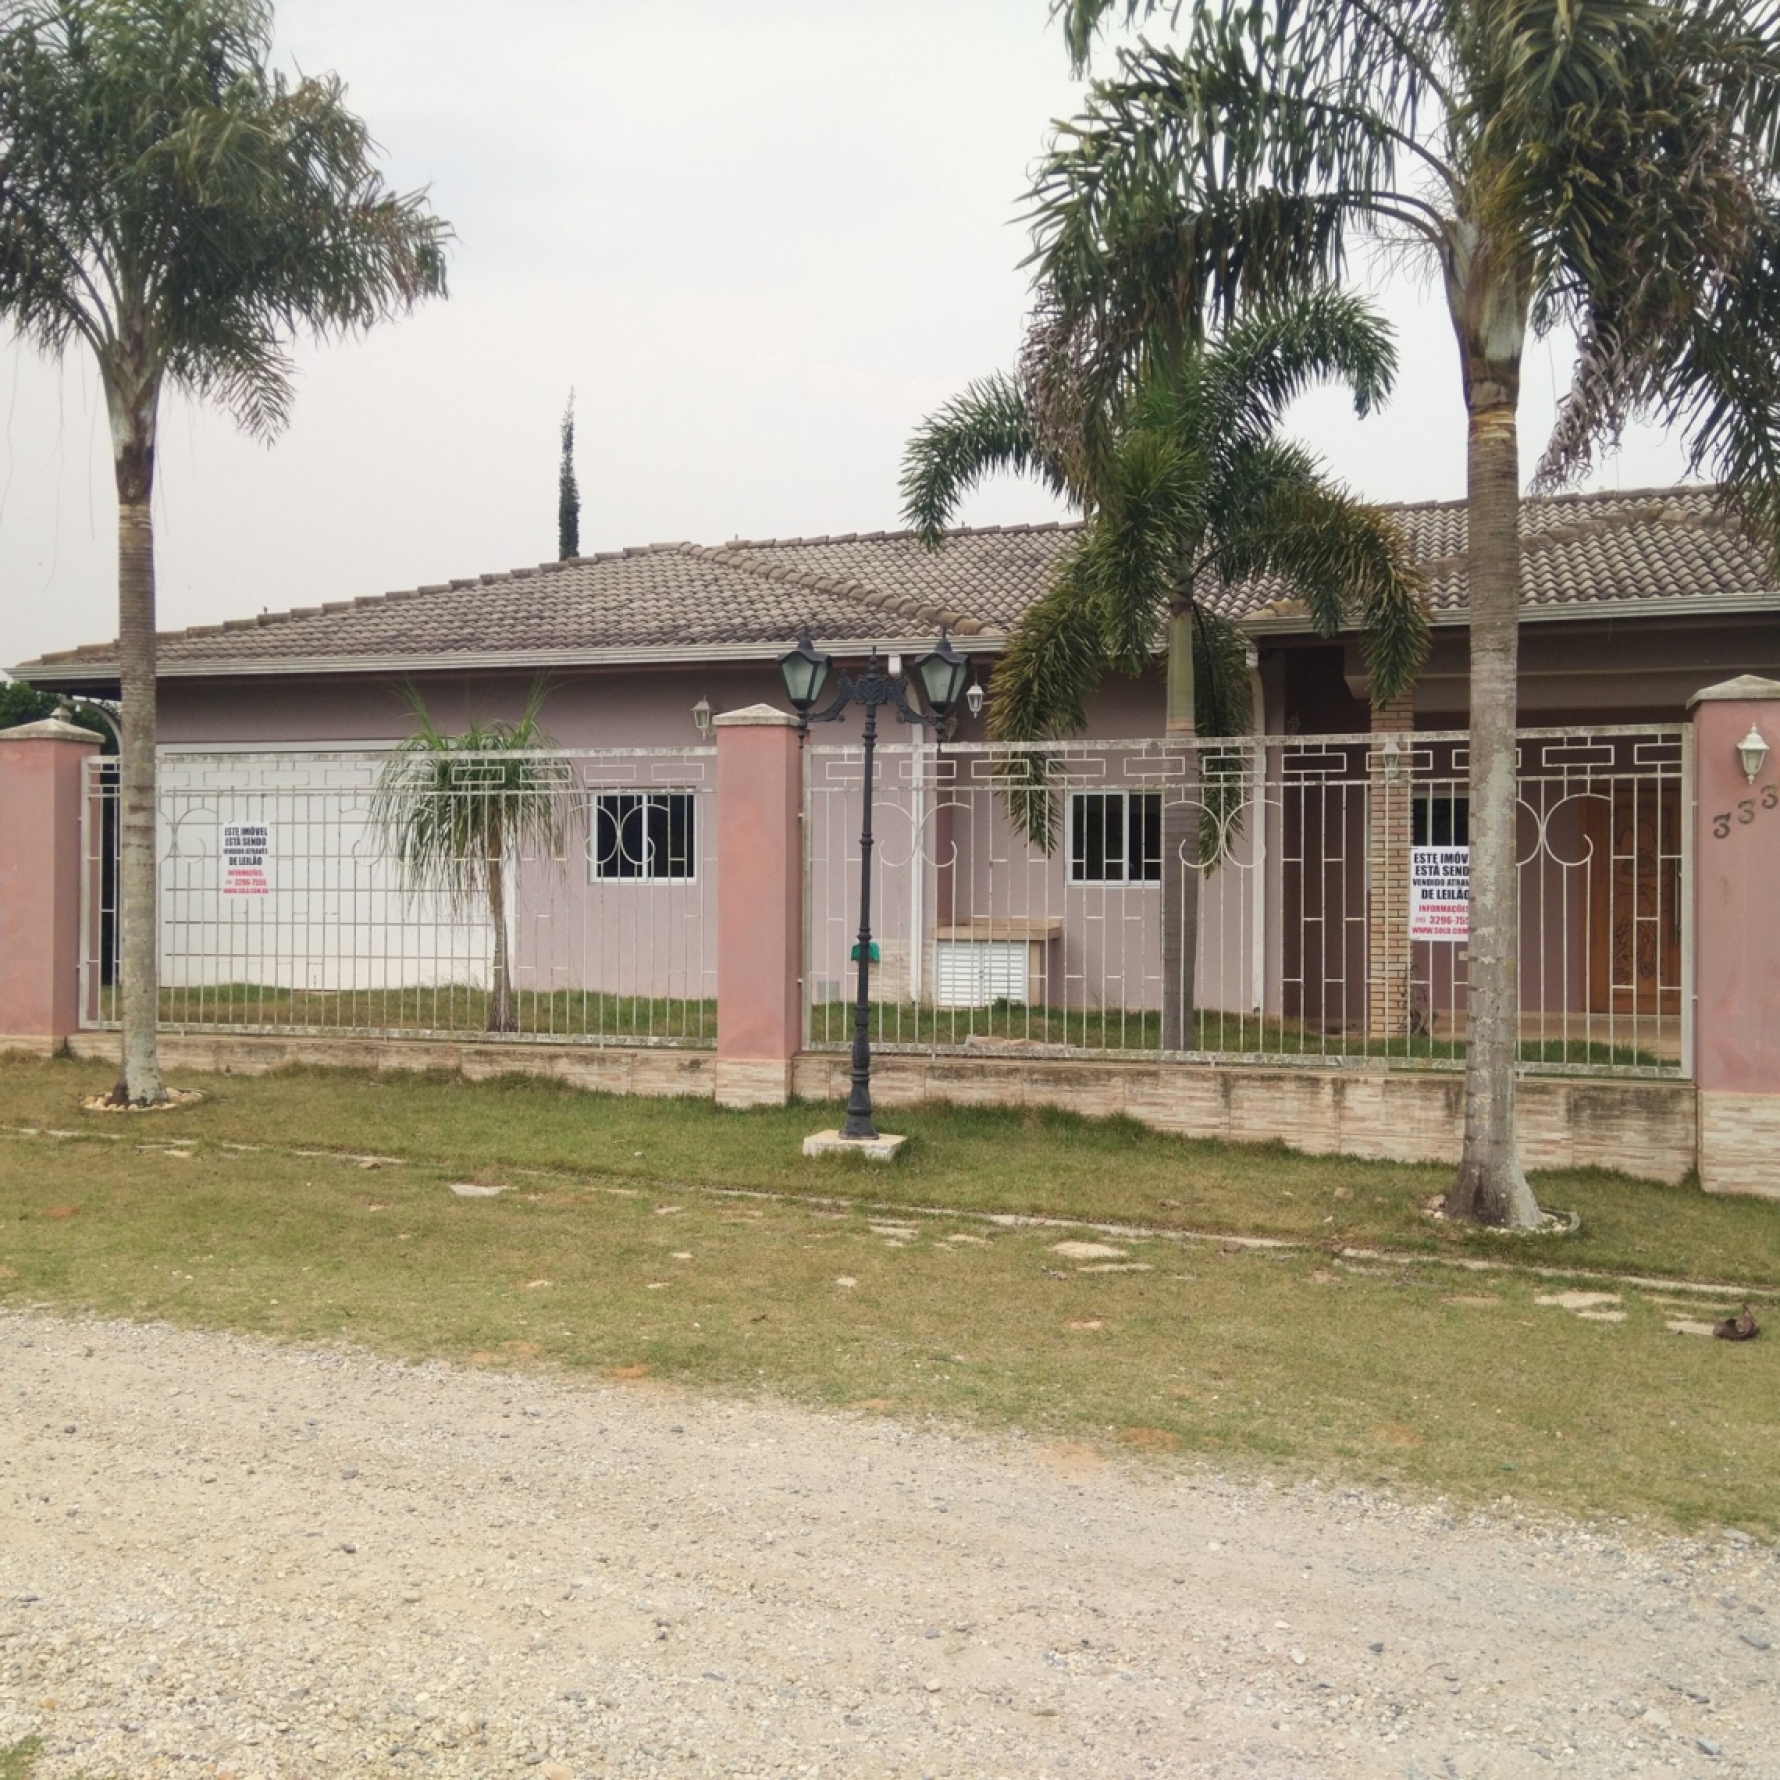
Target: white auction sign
1440	893
246	851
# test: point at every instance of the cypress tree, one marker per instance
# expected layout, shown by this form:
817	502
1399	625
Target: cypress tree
568	496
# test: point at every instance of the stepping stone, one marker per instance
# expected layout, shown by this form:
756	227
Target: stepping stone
1578	1301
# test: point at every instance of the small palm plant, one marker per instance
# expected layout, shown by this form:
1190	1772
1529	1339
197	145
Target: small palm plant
460	811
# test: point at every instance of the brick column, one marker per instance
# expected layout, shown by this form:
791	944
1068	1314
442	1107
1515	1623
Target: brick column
1737	939
40	791
760	999
1387	870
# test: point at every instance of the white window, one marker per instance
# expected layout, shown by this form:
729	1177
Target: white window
644	836
1115	837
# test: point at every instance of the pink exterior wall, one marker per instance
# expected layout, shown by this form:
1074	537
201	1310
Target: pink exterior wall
40	791
642	707
759	906
608	707
1737	943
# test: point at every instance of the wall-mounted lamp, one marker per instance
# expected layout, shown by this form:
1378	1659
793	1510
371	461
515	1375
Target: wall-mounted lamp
973	699
1752	751
701	718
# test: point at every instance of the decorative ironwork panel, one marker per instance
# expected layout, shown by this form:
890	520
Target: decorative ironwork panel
1022	898
565	896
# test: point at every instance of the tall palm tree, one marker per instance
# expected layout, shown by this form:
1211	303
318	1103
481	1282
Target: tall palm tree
171	203
1186	488
1602	164
460	811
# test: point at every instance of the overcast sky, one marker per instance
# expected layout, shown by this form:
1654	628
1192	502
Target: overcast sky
760	238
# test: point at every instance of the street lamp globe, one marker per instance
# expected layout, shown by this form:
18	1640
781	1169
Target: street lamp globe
804	669
942	672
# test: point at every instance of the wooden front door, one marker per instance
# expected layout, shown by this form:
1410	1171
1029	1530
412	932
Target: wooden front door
1634	899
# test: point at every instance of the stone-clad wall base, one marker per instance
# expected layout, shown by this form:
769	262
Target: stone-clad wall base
606	1069
1643	1128
1740	1143
749	1081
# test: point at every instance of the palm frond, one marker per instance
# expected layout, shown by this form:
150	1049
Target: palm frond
1136	555
1345	558
1658	205
1723	393
986	429
1266	359
1202	182
455	808
1223	659
1039	690
1224	702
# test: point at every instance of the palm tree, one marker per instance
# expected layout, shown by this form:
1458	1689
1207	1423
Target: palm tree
1187	488
460	811
181	210
1606	165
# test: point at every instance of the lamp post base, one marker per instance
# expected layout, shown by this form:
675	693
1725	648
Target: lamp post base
883	1148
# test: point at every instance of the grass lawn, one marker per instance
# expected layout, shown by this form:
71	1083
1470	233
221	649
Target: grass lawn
1137	1030
439	1007
608	1253
17	1762
568	1014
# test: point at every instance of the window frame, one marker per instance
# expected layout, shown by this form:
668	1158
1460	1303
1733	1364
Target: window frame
645	794
1127	796
1426	807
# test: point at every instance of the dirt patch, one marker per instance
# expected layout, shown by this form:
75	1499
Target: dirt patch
1396	1434
1149	1439
177	1098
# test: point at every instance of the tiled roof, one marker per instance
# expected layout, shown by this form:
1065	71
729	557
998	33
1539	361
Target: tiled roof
994	572
1642	547
674	601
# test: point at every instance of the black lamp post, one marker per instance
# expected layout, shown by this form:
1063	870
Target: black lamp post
940	675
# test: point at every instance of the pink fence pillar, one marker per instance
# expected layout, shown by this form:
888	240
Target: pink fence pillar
40	792
759	905
1737	935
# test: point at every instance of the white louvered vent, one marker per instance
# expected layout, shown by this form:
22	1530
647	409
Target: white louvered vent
976	972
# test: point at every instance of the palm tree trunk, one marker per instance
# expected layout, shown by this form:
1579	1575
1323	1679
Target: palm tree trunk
1180	845
139	1080
1490	1187
500	999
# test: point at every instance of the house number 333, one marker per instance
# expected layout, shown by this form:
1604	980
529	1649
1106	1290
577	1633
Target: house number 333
1744	813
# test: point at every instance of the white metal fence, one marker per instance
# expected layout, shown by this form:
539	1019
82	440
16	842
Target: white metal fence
286	905
1328	875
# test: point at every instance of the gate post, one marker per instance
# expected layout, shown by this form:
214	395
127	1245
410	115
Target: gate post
1737	938
759	905
40	810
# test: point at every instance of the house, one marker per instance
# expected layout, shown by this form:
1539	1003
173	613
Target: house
1308	900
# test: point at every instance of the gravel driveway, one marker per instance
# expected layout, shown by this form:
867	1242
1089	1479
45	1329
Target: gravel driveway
221	1556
